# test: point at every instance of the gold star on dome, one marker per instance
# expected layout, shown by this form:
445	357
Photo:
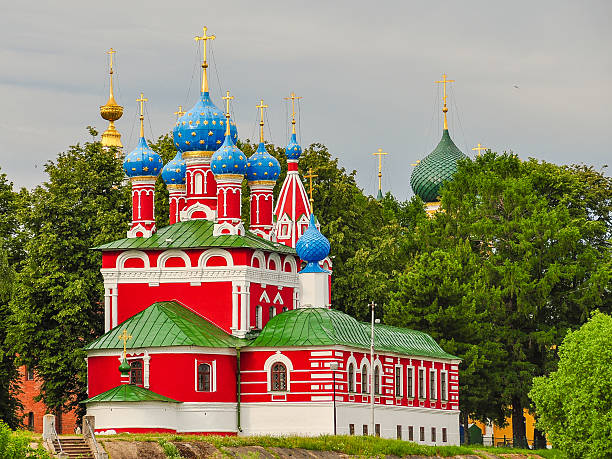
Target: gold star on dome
218	141
180	135
219	157
193	133
187	142
270	164
221	122
145	168
205	122
201	142
214	122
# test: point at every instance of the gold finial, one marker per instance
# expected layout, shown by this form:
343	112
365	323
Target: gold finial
180	112
110	52
124	337
293	98
204	38
416	163
261	107
444	81
111	112
380	154
227	99
479	148
310	176
142	100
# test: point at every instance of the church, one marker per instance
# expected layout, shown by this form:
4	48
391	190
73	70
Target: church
212	328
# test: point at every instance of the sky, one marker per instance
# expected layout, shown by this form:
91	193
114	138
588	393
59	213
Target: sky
530	77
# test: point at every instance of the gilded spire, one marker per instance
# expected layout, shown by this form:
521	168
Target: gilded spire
227	99
204	38
261	107
444	81
293	98
142	100
380	154
111	112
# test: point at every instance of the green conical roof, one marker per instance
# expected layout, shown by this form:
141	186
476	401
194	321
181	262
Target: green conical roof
436	168
129	393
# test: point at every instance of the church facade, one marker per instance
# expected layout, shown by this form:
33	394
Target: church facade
214	329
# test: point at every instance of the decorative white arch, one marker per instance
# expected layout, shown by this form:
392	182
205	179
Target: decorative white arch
173	253
274	358
123	257
378	364
210	253
365	363
291	260
259	255
187	214
277	261
356	368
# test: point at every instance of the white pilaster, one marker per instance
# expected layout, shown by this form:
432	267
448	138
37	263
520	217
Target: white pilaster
114	306
107	310
235	307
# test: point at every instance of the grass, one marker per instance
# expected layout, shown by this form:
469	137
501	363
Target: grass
352	445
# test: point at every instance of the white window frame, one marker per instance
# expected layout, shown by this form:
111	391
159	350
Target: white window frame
213	375
422	383
284	227
398	371
302	224
410	389
444	387
276	358
365	363
433	393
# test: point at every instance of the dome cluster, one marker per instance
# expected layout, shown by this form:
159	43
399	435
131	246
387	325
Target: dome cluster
312	247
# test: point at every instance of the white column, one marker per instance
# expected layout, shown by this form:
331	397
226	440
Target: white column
244	309
235	307
146	369
107	310
114	305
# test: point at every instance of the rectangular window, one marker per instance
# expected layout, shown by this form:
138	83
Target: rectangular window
443	386
29	373
365	429
377	429
258	317
31	420
433	434
410	433
398	381
364	379
204	377
432	384
271	312
444	437
422	433
285	308
351	429
410	382
399	432
421	383
136	368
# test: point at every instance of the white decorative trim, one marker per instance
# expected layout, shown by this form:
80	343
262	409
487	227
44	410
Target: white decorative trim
261	233
228	229
210	253
132	233
213	374
124	256
278	357
259	255
173	253
278	299
264	297
186	214
291	260
277	262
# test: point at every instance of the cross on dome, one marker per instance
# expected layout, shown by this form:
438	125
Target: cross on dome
204	38
261	107
310	176
479	148
444	82
293	98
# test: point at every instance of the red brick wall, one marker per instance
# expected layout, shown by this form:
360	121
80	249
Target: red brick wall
31	388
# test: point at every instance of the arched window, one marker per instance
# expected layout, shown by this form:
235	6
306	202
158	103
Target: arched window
136	372
198	184
364	379
279	377
203	377
377	380
351	378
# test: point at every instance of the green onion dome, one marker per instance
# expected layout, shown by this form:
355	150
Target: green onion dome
436	168
125	367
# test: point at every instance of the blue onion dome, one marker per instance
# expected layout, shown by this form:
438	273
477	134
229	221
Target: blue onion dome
173	173
202	128
142	161
293	149
312	247
262	165
228	160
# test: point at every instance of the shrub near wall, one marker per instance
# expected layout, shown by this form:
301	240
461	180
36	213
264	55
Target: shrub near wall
16	445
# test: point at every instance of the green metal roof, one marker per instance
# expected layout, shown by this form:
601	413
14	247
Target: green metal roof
166	323
129	393
436	168
322	327
194	234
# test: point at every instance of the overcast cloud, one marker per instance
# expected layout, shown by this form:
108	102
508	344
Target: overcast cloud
366	71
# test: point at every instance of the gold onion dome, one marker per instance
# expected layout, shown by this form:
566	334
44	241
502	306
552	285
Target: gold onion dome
111	111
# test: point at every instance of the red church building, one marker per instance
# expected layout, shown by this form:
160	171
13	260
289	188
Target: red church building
219	329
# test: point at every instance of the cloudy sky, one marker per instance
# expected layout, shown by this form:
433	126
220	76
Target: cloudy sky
365	70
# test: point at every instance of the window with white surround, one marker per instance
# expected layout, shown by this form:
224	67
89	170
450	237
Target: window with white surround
443	386
398	380
351	377
205	374
198	183
302	225
432	383
376	379
364	379
258	317
284	227
410	381
278	377
421	383
278	369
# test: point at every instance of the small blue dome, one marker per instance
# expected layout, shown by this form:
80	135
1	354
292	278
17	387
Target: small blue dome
228	159
173	173
312	247
293	149
142	161
202	128
262	165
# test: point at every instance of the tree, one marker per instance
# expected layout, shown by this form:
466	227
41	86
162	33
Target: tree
57	307
573	404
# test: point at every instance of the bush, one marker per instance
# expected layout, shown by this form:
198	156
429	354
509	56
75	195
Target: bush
573	404
16	445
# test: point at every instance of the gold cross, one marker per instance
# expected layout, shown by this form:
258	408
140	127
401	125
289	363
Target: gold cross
293	98
380	154
180	112
310	176
261	107
444	81
124	337
204	38
111	52
416	163
479	148
227	99
142	100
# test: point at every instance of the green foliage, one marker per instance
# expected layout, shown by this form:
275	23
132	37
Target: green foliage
16	445
57	301
170	450
573	404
